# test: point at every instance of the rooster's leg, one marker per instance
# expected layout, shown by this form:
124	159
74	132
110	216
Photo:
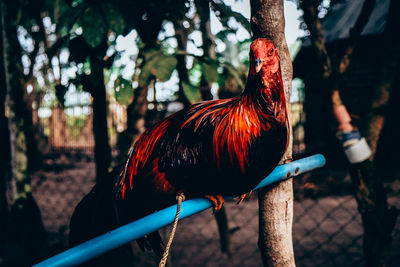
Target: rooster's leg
216	200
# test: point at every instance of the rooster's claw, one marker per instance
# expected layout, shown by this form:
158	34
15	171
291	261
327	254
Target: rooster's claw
216	200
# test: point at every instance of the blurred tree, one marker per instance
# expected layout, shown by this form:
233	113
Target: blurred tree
28	14
378	219
209	72
95	20
234	70
155	65
88	29
5	161
275	202
185	87
152	64
25	231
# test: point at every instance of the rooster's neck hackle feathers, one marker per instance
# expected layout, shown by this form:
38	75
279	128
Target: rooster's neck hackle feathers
264	87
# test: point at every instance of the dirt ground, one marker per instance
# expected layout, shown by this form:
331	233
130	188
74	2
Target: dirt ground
326	232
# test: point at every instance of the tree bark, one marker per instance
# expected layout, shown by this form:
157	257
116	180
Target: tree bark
23	105
102	150
276	201
24	227
5	137
203	9
15	103
182	39
138	109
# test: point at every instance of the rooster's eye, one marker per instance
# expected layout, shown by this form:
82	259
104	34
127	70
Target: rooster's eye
272	50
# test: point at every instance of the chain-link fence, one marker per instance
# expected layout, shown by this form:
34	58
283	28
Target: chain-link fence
70	128
327	228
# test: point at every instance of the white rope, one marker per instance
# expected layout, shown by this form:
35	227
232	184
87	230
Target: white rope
164	258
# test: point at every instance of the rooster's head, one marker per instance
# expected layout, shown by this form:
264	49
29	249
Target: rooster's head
264	58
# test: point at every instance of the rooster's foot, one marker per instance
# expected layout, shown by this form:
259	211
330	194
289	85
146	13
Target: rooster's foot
241	198
216	200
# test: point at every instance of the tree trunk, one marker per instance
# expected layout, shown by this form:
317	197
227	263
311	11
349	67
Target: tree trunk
182	39
102	150
15	103
23	106
136	122
5	139
24	226
377	218
203	9
276	201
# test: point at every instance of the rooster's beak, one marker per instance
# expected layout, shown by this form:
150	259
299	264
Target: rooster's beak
259	64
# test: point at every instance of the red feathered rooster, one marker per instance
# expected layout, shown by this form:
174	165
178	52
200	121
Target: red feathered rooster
211	149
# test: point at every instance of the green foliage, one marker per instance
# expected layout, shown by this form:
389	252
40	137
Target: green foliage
175	9
195	73
191	92
75	124
294	49
114	18
165	67
234	61
244	48
206	68
94	27
68	17
223	34
123	91
96	19
55	8
157	64
209	70
231	72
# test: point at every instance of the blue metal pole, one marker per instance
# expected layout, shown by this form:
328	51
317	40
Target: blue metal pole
134	230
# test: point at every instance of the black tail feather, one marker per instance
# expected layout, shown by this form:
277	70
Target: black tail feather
99	212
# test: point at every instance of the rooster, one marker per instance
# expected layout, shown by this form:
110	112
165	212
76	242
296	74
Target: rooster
211	149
